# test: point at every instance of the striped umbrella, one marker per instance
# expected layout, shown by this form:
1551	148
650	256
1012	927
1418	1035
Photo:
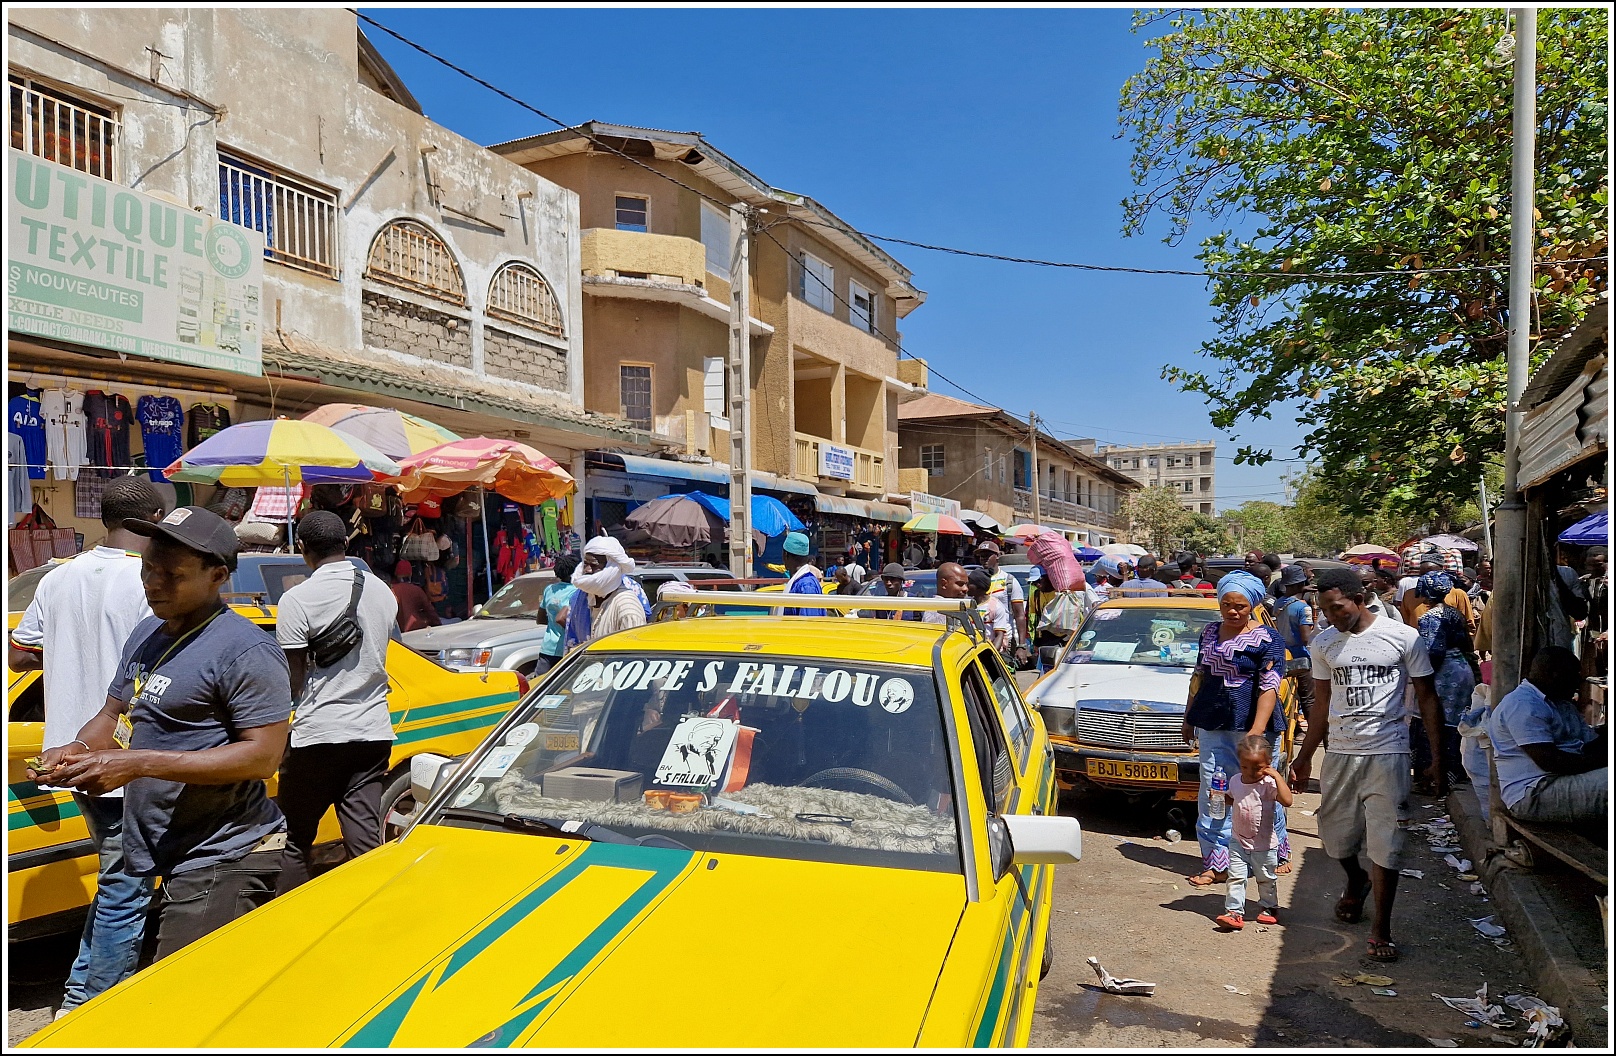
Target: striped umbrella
281	451
516	471
941	523
1026	533
394	433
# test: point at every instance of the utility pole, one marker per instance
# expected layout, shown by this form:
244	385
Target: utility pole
740	393
1509	559
1486	520
1032	420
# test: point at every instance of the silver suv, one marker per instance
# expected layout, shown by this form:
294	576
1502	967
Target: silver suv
506	632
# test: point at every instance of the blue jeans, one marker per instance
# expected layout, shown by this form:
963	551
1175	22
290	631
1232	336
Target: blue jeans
109	948
1259	866
1218	749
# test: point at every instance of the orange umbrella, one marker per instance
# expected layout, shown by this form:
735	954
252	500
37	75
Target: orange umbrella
505	467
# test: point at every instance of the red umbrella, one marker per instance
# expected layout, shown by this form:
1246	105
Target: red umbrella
505	467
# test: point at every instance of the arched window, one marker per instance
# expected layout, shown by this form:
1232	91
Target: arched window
520	294
411	256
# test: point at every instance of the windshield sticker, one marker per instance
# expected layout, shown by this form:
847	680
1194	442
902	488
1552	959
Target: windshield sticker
1107	614
470	794
1176	625
552	700
561	740
1079	656
698	751
1162	636
520	735
499	760
896	695
1113	651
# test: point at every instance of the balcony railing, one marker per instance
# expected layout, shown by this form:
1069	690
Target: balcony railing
1051	508
299	222
53	127
608	253
869	467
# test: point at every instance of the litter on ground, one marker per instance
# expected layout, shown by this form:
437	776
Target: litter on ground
1363	979
1543	1021
1460	864
1236	990
1383	992
1483	1013
1443	1043
1486	926
1417	874
1112	985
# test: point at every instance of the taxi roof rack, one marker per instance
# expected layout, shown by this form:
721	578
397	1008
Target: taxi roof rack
959	610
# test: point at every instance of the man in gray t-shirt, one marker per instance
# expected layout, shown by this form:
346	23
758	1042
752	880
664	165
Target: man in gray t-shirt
342	735
195	721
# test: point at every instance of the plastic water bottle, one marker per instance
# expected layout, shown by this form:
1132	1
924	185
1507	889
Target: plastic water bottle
1216	805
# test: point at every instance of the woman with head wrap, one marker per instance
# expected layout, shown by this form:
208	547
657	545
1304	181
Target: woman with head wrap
1234	693
1453	657
614	601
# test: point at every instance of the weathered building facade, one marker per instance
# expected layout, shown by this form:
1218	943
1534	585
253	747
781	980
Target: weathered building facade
1189	468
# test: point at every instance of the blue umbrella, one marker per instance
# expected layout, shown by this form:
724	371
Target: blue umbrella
1087	553
769	515
1593	530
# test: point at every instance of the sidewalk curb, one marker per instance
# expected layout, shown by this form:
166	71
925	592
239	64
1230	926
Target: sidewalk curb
1534	915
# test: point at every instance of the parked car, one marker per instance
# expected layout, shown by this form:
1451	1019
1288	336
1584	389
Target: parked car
266	576
1114	701
506	632
48	853
856	833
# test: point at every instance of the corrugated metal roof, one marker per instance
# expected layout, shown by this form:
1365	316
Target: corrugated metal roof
870	511
1570	356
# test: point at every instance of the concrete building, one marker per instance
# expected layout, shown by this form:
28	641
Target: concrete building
983	457
827	379
403	265
1188	468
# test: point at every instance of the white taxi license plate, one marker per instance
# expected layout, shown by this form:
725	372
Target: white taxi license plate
1122	771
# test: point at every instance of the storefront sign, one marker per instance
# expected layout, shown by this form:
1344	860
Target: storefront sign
921	502
94	263
835	461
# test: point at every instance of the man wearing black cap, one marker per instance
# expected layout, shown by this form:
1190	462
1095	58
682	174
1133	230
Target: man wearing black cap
1003	584
196	719
342	736
893	583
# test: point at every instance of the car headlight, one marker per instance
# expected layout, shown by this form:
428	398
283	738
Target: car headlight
468	657
1059	721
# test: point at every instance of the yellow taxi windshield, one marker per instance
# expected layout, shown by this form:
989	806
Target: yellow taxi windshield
753	754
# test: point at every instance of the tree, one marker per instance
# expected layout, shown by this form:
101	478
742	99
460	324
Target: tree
1259	525
1205	534
1323	140
1156	514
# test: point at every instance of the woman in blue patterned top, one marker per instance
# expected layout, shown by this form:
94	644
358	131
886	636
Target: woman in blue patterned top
1235	692
1453	656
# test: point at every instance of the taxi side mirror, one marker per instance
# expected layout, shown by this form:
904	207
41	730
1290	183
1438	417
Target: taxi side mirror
427	772
1039	839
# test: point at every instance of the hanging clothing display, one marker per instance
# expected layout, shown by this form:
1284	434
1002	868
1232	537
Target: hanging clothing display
162	432
549	517
63	410
87	492
23	418
206	419
107	416
19	494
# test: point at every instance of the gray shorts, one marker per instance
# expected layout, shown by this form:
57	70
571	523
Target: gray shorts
1363	806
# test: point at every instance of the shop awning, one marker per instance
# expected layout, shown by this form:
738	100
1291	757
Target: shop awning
981	520
1593	530
870	511
697	471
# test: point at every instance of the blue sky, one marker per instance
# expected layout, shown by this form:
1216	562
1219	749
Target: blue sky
988	129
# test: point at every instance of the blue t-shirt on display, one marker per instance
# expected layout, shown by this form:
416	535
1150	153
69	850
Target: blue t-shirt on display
194	693
24	420
162	431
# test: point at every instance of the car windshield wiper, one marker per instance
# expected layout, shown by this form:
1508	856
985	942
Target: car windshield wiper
519	822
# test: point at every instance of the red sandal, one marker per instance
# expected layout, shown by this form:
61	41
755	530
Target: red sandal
1232	921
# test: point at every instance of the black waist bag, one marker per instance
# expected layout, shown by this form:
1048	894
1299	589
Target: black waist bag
339	639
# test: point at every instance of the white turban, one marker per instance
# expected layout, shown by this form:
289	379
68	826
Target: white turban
608	579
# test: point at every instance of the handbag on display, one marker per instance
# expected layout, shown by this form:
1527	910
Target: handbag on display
467	506
266	534
373	499
35	539
420	544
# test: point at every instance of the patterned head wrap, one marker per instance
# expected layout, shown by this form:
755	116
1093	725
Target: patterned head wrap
1433	586
1243	583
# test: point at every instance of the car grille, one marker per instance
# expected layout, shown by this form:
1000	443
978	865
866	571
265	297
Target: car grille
1148	730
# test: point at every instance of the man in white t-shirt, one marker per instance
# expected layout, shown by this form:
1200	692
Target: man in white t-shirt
75	628
342	734
1361	666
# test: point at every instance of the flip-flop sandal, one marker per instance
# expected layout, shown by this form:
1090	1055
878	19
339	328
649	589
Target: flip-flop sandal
1206	878
1382	950
1283	869
1349	910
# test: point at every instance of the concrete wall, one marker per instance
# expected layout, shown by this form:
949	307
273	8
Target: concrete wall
1200	474
281	86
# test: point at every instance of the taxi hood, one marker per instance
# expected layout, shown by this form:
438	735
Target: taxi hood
456	937
1069	685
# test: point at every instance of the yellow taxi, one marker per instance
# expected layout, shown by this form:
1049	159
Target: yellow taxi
738	832
1114	701
51	865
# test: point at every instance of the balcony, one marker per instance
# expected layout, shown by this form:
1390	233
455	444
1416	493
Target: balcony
869	467
1051	508
634	265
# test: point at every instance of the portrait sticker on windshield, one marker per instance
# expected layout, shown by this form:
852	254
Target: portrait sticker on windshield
520	735
698	752
499	760
896	695
1107	614
1113	651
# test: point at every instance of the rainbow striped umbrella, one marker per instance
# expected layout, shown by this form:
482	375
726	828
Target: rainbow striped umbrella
281	451
941	523
505	467
392	432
